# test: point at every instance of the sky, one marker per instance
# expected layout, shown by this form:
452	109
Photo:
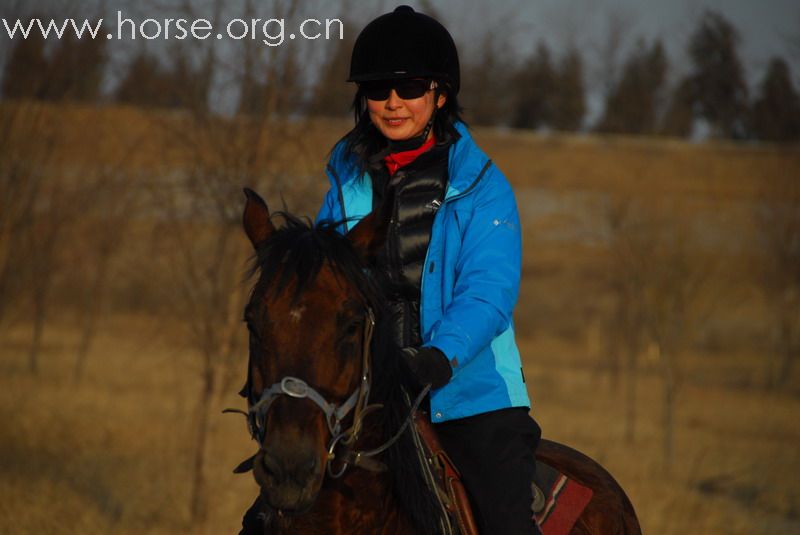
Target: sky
767	27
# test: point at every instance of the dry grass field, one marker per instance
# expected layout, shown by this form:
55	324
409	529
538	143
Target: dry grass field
112	452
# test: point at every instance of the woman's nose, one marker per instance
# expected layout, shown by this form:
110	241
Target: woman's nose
394	101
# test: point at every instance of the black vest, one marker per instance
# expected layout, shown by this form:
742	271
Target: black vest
419	191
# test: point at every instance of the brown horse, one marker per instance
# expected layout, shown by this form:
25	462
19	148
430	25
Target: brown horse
327	395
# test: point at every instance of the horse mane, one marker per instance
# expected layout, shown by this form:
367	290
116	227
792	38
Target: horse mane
391	381
296	252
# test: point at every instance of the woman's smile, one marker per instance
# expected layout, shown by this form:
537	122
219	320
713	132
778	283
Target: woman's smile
395	121
416	114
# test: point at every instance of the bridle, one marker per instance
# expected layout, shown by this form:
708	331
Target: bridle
357	402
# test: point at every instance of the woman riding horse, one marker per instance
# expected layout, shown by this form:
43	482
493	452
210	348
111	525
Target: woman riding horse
452	255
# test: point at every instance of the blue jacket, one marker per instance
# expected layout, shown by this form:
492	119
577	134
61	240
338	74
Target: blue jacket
470	281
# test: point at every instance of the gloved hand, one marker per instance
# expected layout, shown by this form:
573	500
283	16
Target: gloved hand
429	365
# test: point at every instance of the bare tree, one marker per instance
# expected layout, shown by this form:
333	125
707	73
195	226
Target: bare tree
332	96
23	148
51	214
33	210
27	141
657	280
778	233
104	221
39	197
629	249
673	283
200	202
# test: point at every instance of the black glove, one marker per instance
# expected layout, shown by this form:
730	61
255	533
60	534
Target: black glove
429	365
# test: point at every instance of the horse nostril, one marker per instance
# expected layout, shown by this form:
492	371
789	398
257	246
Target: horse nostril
278	470
312	466
306	470
271	466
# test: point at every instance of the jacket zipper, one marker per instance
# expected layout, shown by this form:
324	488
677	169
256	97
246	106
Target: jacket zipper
425	266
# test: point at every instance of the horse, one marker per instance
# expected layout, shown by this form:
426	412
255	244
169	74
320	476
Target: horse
328	396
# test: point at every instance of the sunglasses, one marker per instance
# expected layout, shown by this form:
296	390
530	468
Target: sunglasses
406	89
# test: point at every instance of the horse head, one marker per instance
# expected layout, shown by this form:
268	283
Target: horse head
310	318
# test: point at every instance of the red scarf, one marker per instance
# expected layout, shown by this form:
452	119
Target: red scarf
397	160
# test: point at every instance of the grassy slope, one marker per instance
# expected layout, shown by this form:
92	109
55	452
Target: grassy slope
112	453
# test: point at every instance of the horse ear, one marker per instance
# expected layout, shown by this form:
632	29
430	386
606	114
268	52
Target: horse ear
255	219
369	235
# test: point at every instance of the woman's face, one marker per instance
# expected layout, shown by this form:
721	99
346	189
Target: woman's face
399	119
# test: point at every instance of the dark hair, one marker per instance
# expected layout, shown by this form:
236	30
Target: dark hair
365	141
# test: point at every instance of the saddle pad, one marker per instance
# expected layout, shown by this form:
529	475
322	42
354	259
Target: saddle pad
566	500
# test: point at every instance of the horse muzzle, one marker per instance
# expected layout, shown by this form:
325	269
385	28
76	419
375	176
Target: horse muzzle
290	480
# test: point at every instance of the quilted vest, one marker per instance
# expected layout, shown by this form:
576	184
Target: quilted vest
419	190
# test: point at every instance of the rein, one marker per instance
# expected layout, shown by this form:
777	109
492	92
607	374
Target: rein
358	402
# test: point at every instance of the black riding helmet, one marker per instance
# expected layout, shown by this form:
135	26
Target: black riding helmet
405	44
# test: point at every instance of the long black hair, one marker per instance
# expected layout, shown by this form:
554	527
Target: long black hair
368	145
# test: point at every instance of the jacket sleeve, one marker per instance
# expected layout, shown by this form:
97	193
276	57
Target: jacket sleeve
331	209
487	274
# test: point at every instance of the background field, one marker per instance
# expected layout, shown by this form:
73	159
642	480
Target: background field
689	402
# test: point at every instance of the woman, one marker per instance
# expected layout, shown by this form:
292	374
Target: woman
453	255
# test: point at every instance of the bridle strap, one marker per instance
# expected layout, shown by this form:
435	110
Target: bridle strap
364	459
299	389
389	443
362	404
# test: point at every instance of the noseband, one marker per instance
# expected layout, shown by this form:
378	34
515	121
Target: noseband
299	389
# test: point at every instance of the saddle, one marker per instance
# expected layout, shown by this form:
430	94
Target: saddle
443	478
557	500
557	510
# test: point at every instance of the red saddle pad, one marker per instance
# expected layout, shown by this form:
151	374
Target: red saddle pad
565	502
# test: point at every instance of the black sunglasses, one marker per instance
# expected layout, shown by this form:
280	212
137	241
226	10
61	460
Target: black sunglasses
405	89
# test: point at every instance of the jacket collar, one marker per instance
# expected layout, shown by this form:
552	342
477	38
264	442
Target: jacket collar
465	164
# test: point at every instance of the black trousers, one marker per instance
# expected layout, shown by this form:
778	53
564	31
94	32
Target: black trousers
495	453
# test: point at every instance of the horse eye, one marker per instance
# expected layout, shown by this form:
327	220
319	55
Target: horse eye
352	329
